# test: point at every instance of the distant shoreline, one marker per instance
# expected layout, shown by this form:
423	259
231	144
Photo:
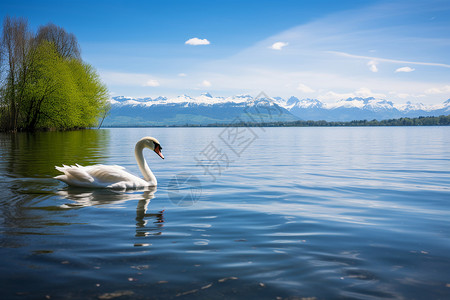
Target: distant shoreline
420	121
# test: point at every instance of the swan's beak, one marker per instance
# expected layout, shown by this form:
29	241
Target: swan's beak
158	151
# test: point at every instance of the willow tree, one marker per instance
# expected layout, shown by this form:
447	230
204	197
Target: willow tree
50	95
44	82
91	93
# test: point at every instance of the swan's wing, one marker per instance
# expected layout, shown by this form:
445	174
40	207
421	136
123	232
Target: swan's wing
99	176
109	174
74	175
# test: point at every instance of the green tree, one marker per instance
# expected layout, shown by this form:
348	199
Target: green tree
92	93
50	93
43	81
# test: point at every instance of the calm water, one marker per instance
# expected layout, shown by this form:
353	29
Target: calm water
266	213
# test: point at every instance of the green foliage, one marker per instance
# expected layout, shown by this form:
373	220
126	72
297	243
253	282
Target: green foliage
50	94
52	89
92	93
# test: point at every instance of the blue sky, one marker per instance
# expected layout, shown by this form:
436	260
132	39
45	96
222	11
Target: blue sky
397	50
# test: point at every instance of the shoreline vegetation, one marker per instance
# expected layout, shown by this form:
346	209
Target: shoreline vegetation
420	121
44	83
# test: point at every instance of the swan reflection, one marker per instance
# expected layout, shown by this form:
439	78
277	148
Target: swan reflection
142	217
84	197
91	197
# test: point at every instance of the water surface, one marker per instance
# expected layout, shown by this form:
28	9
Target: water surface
260	213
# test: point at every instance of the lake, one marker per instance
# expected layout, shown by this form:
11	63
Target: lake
239	213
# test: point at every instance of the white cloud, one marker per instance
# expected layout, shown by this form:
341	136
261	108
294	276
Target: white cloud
404	69
182	74
206	83
128	79
403	95
389	60
151	82
365	92
278	45
361	92
438	90
304	88
197	42
373	66
336	96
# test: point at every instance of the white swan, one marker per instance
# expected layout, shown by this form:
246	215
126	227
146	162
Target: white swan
114	177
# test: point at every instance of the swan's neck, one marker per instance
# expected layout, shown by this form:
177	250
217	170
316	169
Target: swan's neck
143	166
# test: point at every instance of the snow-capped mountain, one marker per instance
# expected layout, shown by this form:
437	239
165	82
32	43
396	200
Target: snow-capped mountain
361	109
208	109
202	110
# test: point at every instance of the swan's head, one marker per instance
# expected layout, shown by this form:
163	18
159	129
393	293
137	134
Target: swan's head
153	144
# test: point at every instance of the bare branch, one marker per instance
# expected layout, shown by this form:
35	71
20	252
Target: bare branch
66	43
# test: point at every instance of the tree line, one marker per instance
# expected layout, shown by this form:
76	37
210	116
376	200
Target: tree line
44	83
420	121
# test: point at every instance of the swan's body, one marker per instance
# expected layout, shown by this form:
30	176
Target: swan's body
114	177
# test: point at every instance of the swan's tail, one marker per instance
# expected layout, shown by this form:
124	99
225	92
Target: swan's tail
73	174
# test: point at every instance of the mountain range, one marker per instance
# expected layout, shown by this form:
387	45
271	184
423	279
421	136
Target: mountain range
206	109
